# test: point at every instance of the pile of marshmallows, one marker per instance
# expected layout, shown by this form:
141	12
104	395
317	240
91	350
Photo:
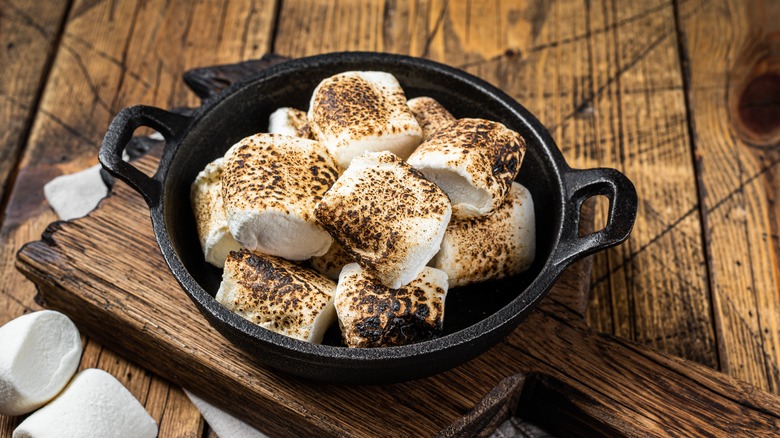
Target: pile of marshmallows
391	201
39	354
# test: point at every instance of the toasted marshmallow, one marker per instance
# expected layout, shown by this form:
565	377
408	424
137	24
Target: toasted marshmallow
387	216
430	114
358	111
372	315
39	352
289	121
491	247
331	262
206	200
95	404
270	185
474	161
278	295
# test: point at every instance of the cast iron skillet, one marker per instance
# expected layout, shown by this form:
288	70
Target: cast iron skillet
476	317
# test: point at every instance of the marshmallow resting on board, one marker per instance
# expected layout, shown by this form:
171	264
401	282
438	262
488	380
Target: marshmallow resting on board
289	121
94	404
387	216
372	315
222	423
491	247
474	161
270	185
278	295
39	352
74	195
430	114
358	111
209	210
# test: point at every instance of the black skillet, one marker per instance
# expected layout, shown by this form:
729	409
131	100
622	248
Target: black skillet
477	316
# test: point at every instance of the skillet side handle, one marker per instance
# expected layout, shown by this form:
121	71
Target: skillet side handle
119	134
583	184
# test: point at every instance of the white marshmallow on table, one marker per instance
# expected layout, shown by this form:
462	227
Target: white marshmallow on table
289	121
206	199
492	247
372	315
278	295
474	161
270	185
430	114
387	216
39	352
76	194
330	263
358	111
94	404
221	422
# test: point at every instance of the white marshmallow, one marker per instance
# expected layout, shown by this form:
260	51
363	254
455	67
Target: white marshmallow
491	247
358	111
430	114
387	216
289	121
39	352
372	315
94	404
270	185
74	195
474	161
206	200
278	295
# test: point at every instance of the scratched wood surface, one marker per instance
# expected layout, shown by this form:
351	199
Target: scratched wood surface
681	95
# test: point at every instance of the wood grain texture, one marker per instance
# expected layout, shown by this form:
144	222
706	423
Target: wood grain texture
616	384
606	80
110	55
732	51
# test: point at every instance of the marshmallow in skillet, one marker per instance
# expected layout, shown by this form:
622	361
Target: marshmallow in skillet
372	315
278	295
430	114
474	161
358	111
93	404
270	185
39	352
387	216
206	200
331	262
289	121
491	247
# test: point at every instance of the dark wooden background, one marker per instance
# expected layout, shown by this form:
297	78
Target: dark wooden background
682	96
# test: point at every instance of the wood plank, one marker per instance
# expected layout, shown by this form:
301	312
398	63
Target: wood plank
607	82
27	44
732	53
112	55
614	384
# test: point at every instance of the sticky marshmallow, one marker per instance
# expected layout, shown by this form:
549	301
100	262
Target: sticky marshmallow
387	216
430	114
39	352
93	404
278	295
372	315
358	111
210	219
474	161
270	185
491	247
289	121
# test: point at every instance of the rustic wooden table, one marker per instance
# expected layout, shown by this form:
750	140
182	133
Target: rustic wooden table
683	96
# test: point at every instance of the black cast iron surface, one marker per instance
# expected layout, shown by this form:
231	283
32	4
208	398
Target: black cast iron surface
477	316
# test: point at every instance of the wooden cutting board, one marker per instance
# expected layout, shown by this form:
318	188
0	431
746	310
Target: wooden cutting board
105	272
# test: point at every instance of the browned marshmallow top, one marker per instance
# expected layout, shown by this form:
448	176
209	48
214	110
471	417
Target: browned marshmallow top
275	293
386	215
430	114
372	315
